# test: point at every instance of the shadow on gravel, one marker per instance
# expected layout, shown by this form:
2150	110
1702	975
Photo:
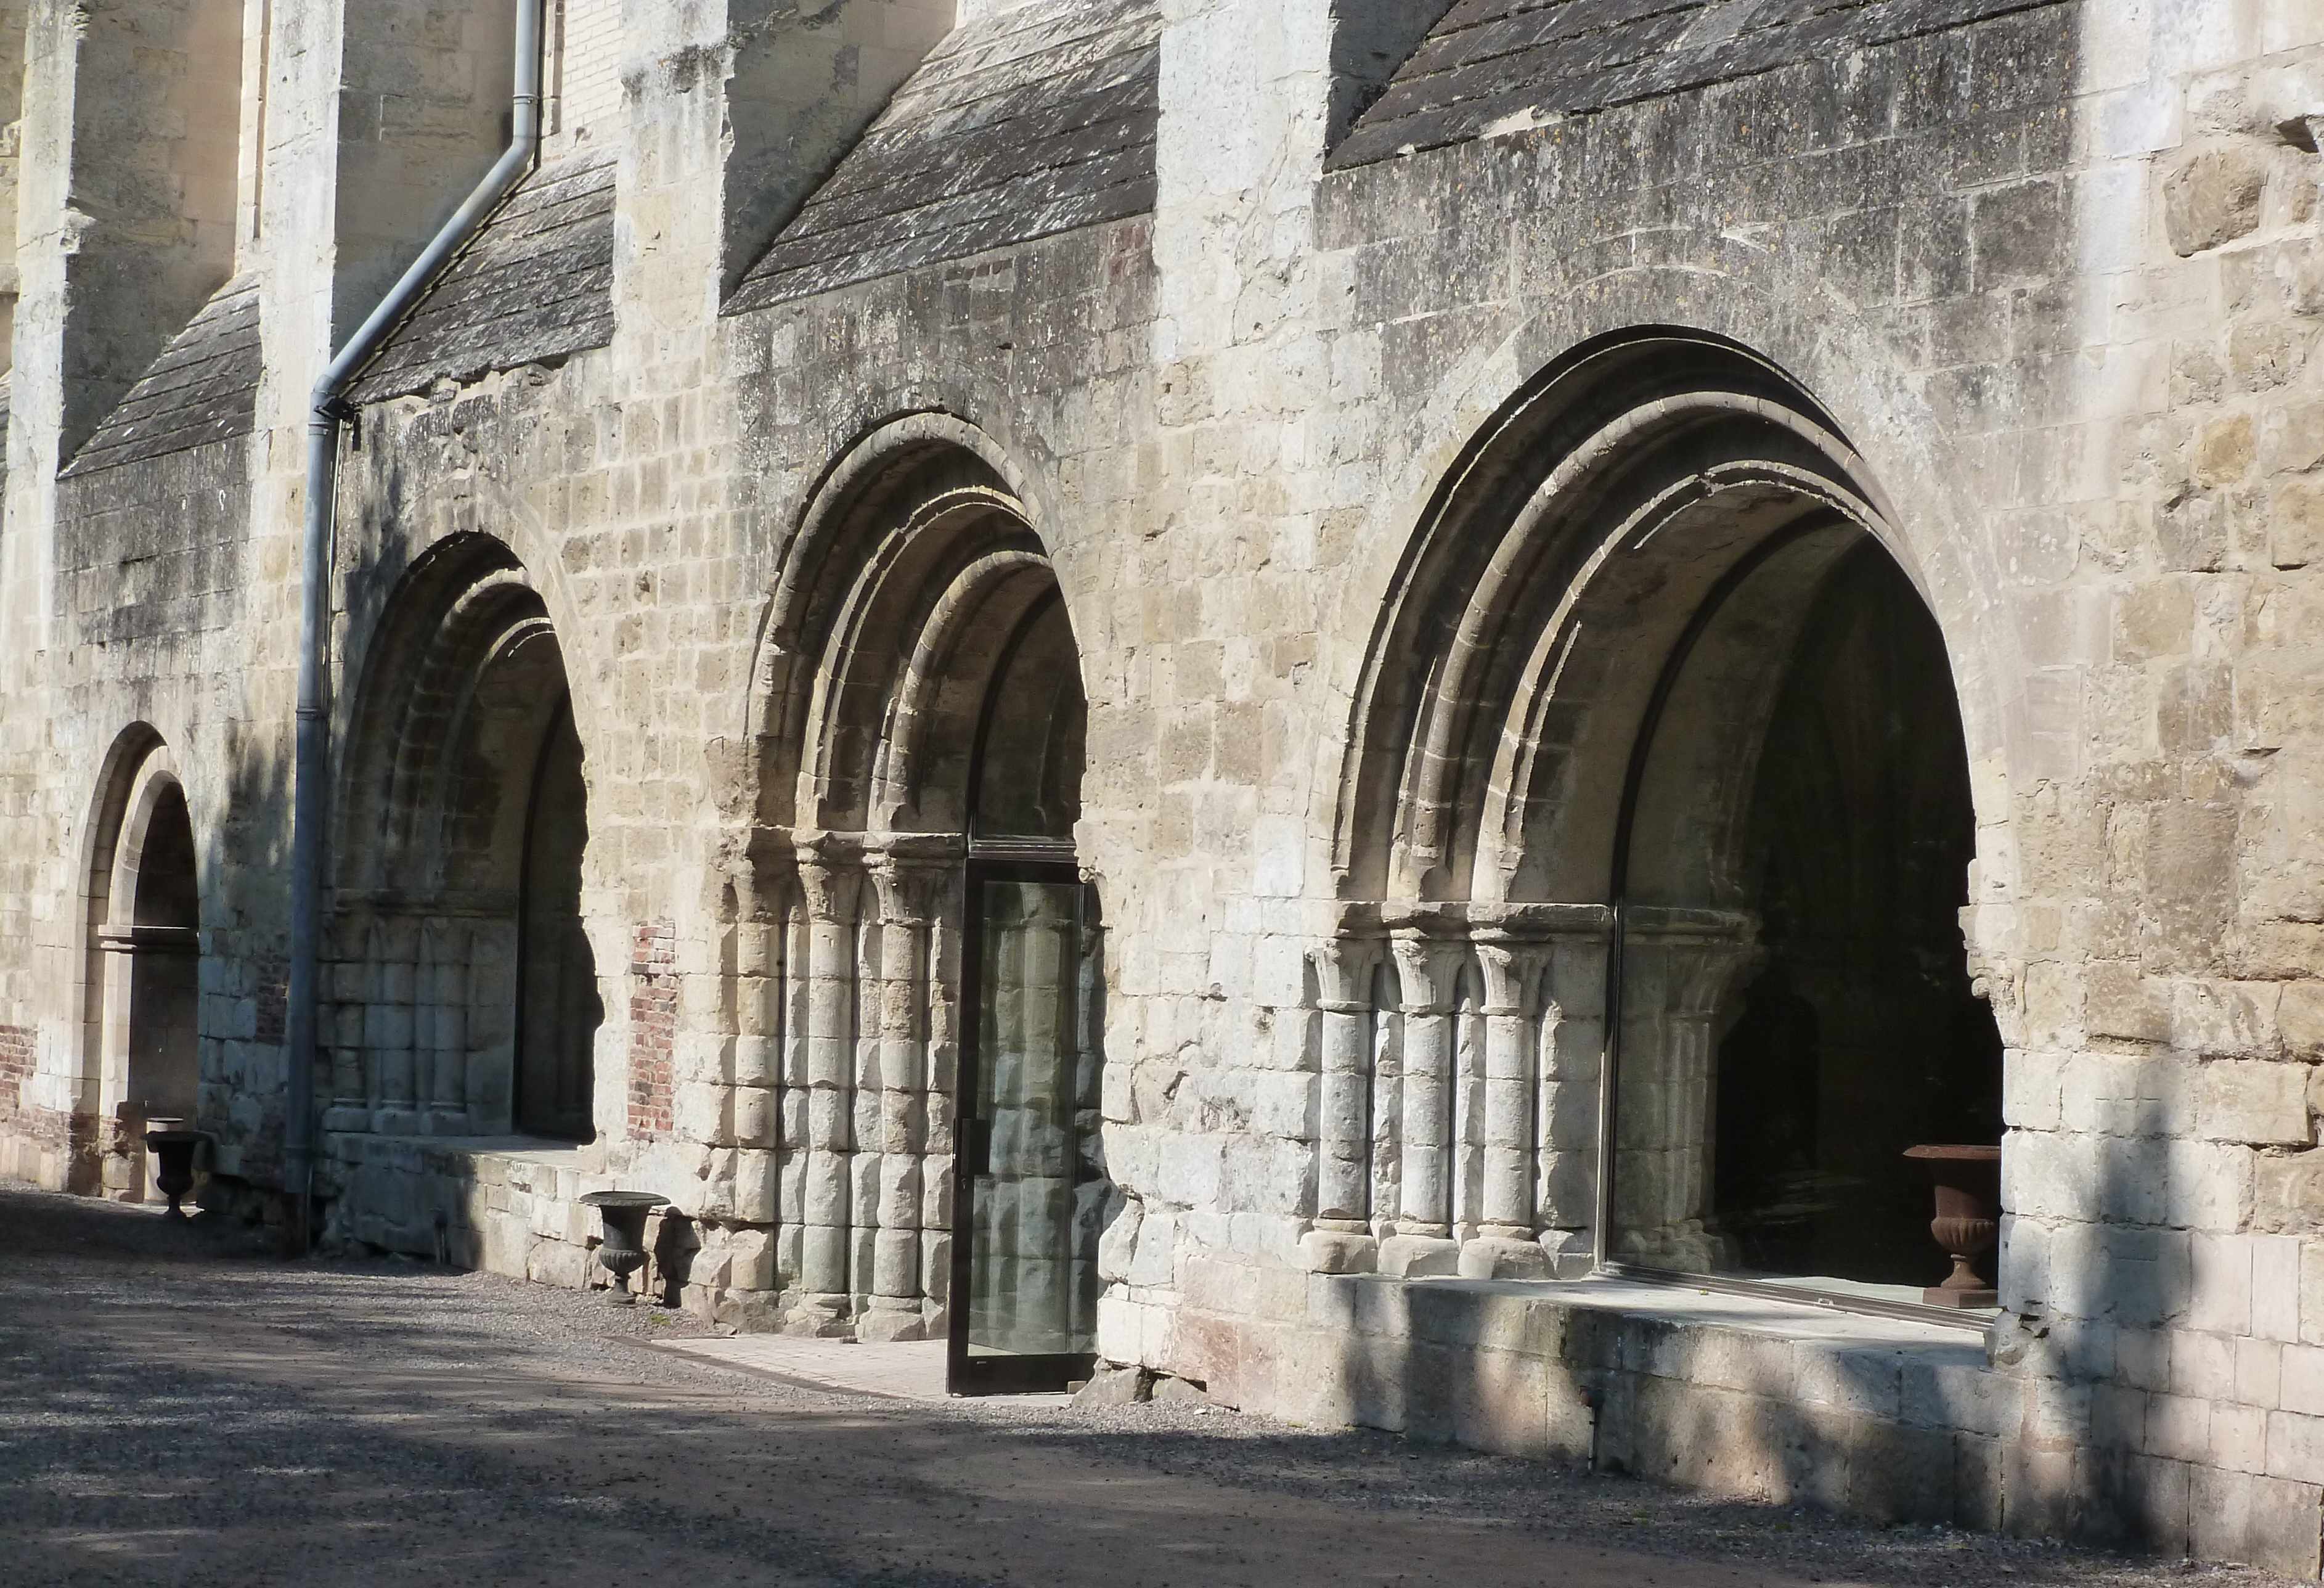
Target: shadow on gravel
180	1408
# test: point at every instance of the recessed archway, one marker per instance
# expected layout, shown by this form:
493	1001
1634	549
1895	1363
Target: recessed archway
1655	785
934	950
459	901
142	1015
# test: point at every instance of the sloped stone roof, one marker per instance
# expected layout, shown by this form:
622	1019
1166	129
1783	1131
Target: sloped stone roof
536	283
1492	64
1037	121
202	388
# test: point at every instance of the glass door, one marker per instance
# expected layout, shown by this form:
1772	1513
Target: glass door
1030	1185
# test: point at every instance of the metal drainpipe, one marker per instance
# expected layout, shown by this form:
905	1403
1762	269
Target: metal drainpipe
309	790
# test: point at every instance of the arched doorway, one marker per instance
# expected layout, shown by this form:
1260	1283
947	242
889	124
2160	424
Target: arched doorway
1029	1165
557	1005
1654	836
1802	776
463	828
935	972
145	915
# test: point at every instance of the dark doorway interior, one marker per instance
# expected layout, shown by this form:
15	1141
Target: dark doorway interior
558	1010
165	978
1860	1036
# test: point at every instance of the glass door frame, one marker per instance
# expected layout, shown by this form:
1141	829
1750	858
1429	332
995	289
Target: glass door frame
994	861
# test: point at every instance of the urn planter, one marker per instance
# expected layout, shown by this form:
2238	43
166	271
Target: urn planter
1968	1180
623	1252
173	1160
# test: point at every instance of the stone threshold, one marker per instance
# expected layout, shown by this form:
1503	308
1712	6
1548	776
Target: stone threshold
1771	1399
508	1204
912	1371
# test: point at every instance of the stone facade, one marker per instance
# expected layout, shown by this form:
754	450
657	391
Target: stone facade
1388	454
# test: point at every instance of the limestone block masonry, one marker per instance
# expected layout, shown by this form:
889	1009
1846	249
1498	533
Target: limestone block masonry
1295	691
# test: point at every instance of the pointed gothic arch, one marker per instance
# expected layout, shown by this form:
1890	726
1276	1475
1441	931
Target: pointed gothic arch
469	992
1576	748
920	711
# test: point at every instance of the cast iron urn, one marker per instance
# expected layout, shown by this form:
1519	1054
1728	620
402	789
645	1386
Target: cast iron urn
1967	1222
622	1214
173	1157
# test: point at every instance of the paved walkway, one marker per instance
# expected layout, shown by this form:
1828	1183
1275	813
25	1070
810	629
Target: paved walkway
177	1408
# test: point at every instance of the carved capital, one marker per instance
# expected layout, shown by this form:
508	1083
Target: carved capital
829	888
1343	973
910	891
1428	972
1512	973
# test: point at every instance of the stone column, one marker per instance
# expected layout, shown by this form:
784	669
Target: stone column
826	1196
756	1024
350	1108
443	1021
387	1029
1506	1246
491	1059
865	1162
1385	1158
1342	1241
907	892
792	998
1570	1048
943	949
1427	974
1677	977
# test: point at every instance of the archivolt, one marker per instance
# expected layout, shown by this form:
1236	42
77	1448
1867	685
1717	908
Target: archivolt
912	565
466	607
1509	670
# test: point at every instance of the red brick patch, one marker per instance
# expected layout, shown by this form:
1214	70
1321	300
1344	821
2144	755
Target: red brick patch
653	1026
16	1060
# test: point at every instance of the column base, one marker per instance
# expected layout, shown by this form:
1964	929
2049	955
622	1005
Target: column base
1571	1254
1338	1251
890	1321
1419	1256
819	1317
1504	1257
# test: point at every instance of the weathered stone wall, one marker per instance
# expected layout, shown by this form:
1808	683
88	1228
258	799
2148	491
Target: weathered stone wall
2047	278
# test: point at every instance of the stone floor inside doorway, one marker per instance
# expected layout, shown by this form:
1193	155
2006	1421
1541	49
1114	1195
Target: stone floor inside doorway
179	1407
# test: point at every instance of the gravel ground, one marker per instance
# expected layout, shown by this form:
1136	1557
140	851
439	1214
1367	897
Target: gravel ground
177	1406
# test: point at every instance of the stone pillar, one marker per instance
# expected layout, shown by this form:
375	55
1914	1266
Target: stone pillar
442	1018
941	944
1342	1241
898	1086
826	1198
1466	1158
1427	974
1505	1246
757	1031
350	1108
387	1031
490	1059
787	1023
1572	1047
867	1159
1385	1158
1677	977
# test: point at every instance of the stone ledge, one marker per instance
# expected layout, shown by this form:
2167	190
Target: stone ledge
512	1205
1775	1401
